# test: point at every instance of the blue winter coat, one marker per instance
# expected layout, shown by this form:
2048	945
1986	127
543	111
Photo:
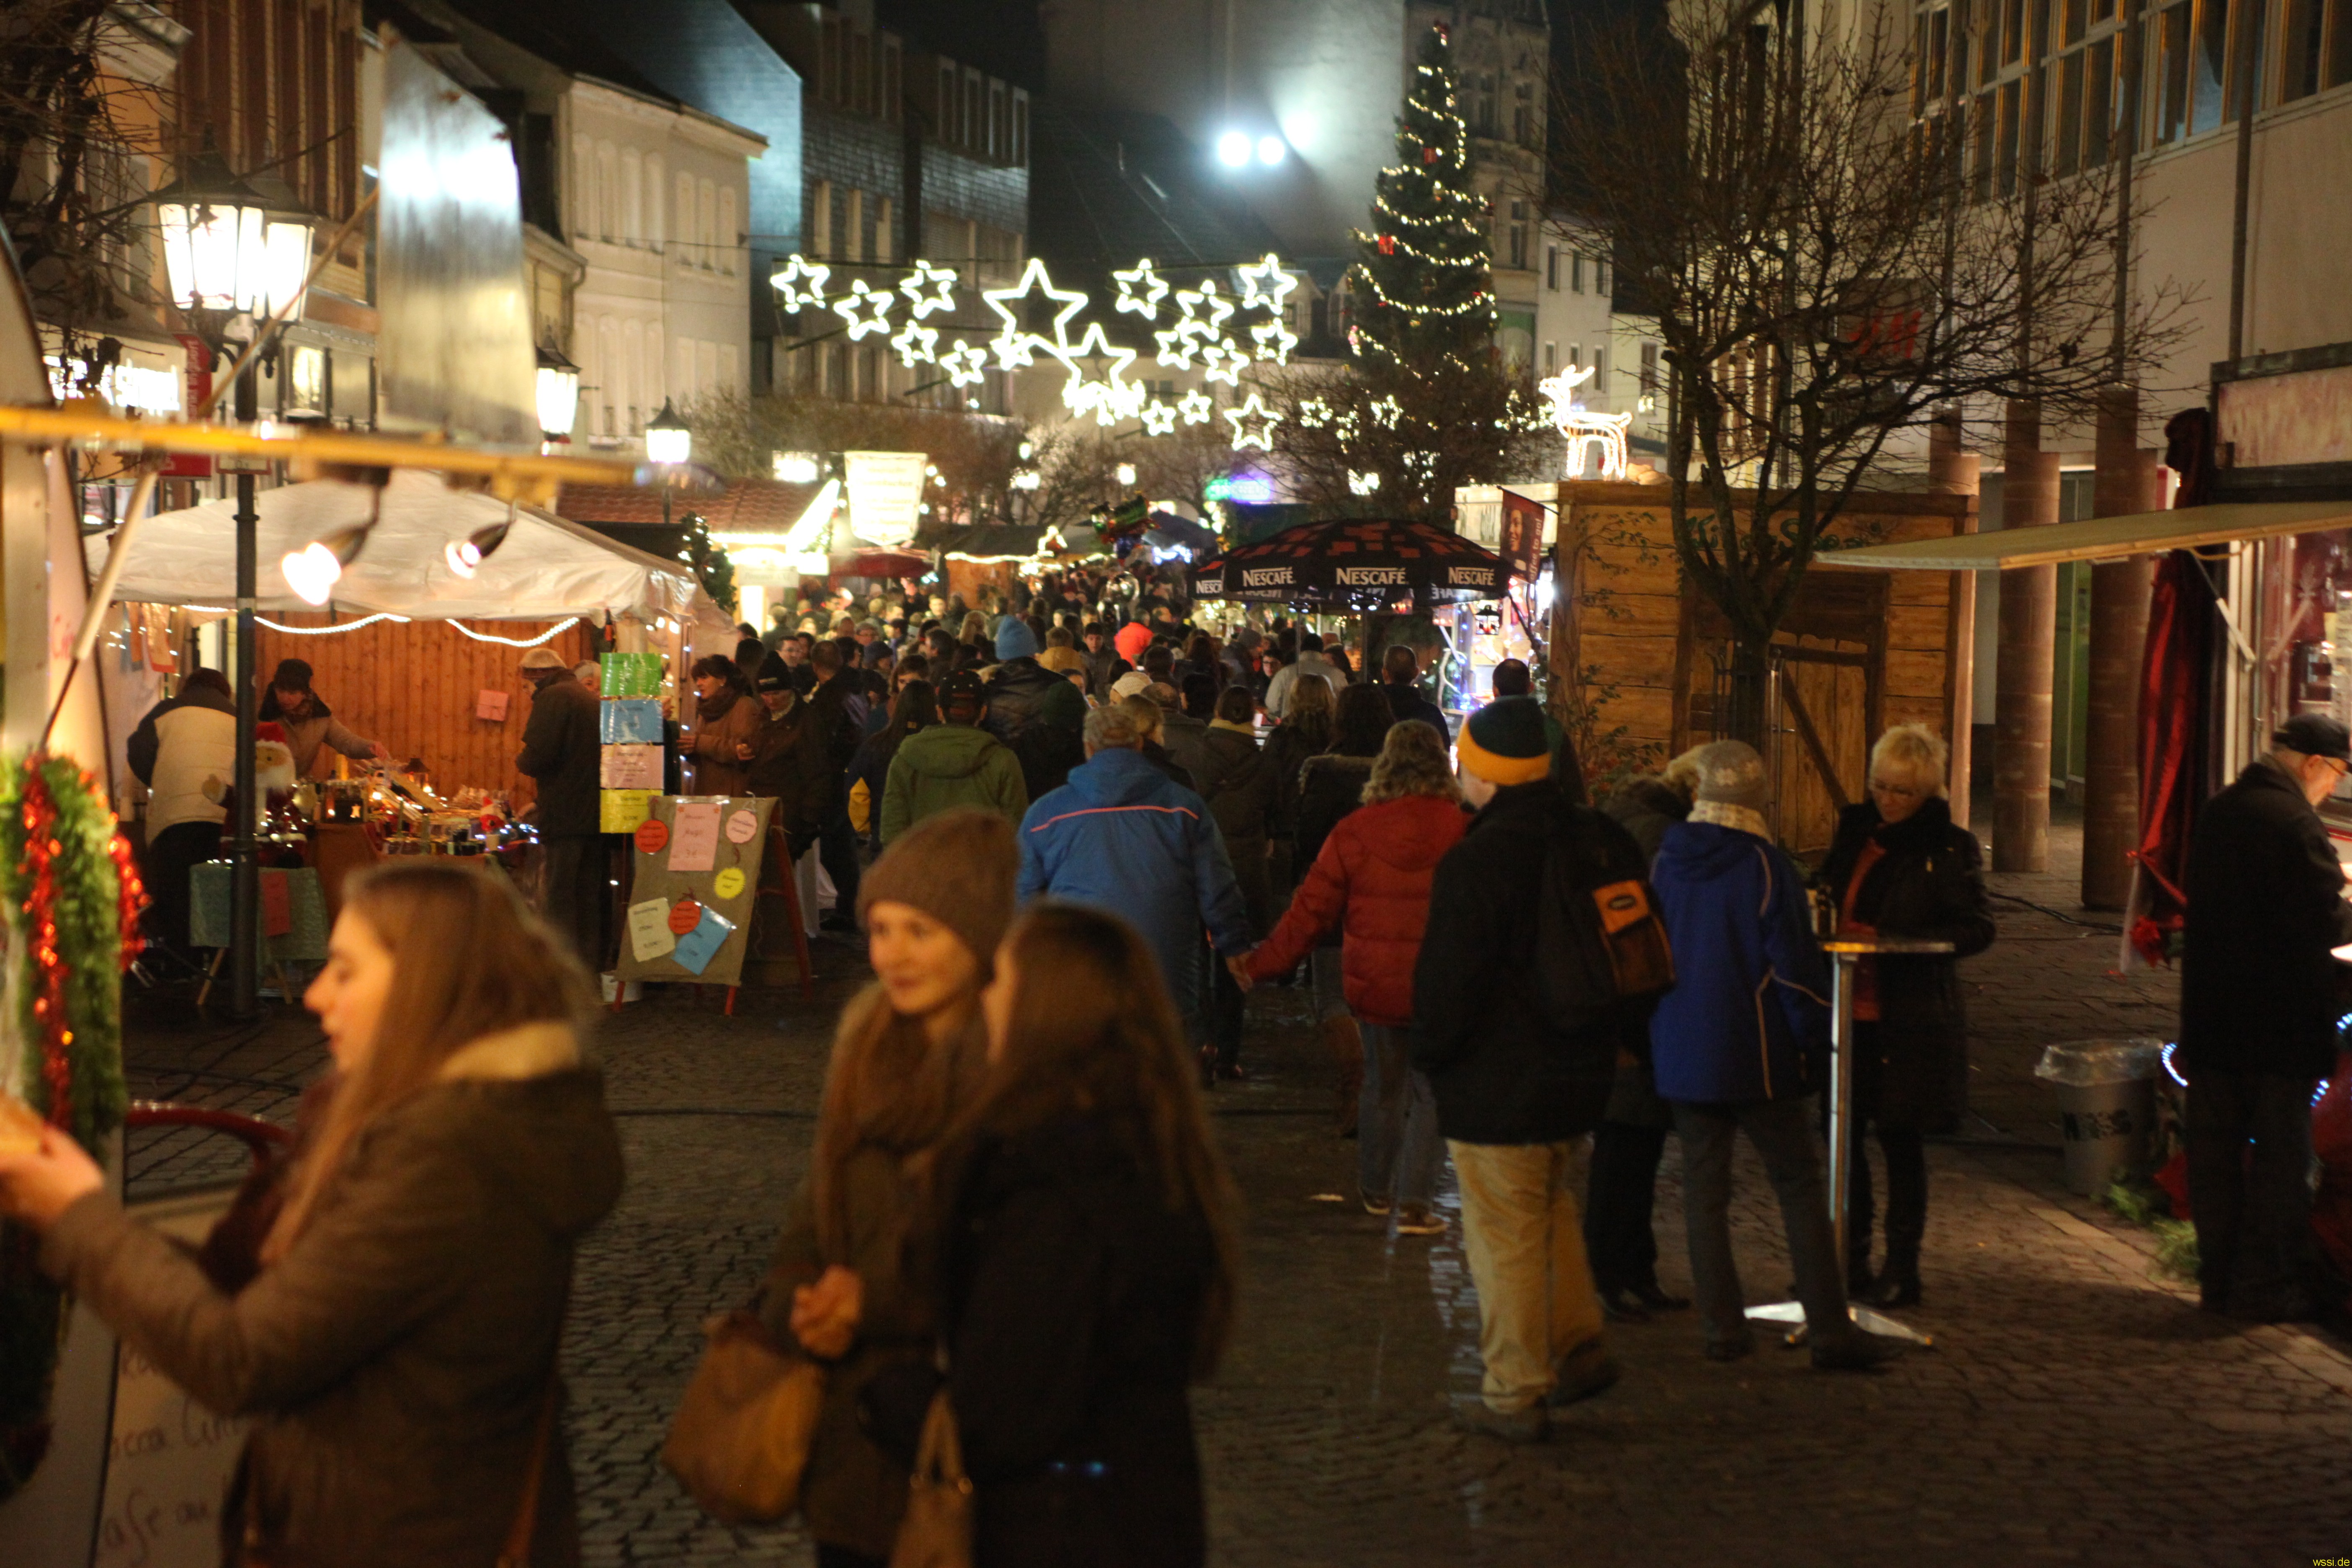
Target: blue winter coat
1749	1016
1121	835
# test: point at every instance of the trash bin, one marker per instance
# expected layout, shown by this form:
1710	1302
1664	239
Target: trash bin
2107	1104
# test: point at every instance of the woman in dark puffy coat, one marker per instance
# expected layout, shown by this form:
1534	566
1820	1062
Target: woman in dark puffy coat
1901	868
1371	882
1088	1258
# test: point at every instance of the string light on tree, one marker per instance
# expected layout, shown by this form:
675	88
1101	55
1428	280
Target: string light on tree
1363	484
1141	289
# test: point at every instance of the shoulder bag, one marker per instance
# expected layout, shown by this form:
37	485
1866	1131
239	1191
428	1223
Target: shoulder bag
741	1439
936	1531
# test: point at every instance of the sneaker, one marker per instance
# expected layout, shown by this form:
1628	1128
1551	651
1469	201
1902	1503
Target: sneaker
1586	1371
1416	1220
1376	1207
1855	1351
1527	1426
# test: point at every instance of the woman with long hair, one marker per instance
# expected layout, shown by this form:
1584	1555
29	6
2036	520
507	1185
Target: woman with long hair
1371	882
1087	1262
1305	731
726	716
909	1054
396	1350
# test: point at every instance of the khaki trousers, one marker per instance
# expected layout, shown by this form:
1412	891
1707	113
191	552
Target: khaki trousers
1526	1250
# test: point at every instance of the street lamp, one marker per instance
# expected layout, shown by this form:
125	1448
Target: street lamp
559	395
233	255
669	444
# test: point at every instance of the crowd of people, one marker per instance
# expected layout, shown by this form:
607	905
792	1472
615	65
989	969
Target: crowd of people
1089	843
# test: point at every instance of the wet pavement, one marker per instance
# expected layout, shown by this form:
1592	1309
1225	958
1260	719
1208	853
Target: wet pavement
2076	1407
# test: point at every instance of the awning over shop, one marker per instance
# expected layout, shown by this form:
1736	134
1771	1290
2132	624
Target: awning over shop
547	568
2098	538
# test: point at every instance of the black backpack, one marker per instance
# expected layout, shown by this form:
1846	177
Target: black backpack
1599	944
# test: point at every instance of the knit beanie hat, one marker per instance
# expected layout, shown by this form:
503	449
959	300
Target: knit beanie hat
1134	683
1505	742
958	867
1014	639
1732	786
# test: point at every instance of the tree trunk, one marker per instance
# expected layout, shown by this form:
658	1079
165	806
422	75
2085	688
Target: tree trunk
2029	626
2128	482
1744	717
1953	472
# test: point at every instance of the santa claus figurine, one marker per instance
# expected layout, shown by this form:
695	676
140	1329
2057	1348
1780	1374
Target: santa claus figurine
273	781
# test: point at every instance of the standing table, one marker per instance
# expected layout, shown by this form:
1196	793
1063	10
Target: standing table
1844	952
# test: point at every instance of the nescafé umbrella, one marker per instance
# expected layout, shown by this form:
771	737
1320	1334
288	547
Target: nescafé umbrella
1355	564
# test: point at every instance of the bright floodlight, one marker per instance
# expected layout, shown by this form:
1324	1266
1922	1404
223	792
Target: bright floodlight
1126	472
1270	151
1233	149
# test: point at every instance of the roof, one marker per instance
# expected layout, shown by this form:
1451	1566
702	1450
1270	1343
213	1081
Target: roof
538	27
749	506
2099	538
1106	188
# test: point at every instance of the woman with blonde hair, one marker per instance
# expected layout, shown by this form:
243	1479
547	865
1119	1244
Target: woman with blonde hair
1900	866
396	1350
1371	883
907	1056
1087	1263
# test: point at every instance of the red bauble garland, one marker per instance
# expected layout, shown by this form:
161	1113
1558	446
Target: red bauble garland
41	849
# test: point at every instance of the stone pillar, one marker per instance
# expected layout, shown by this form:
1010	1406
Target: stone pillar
1953	472
2028	631
2129	482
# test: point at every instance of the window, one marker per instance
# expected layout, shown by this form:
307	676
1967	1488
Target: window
1576	272
655	233
999	136
1649	399
1600	276
975	135
853	226
705	225
1551	268
1600	368
2300	77
682	217
1523	116
2099	102
2068	129
890	92
633	210
608	191
729	231
1518	235
2209	61
2169	32
1576	356
2011	95
820	224
944	119
583	187
1020	128
1550	359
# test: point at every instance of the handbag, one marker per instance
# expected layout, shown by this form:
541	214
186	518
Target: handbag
741	1439
936	1531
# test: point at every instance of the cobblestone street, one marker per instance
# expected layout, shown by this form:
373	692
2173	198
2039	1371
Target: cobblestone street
2076	1407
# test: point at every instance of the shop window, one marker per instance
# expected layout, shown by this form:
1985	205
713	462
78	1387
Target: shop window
306	380
2209	62
2099	103
2169	33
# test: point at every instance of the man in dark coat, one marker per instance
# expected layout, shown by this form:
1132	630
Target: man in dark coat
790	761
1400	676
837	707
1515	1094
1040	716
2258	1011
561	751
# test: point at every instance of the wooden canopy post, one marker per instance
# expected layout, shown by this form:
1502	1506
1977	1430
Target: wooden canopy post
2029	634
2128	483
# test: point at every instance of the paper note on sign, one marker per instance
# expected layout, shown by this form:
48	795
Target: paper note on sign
694	838
631	767
742	826
728	883
631	675
491	705
629	722
649	935
698	947
622	810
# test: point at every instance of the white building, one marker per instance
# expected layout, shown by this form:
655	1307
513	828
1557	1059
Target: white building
1578	328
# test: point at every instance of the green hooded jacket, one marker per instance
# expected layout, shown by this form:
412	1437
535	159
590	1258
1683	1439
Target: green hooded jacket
950	764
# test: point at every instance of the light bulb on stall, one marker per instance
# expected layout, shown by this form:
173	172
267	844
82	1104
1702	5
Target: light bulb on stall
314	571
463	555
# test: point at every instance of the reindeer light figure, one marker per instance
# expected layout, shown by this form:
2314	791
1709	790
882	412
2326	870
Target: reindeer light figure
1584	428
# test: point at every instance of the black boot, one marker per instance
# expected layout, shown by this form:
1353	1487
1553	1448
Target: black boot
1897	1286
1859	1282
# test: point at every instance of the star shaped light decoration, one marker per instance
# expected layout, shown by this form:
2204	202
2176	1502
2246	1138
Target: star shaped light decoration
916	343
864	309
801	283
965	364
1314	414
1266	284
1159	418
1141	289
1252	423
1101	396
1222	361
1274	340
1195	408
1175	347
1203	311
1015	345
929	287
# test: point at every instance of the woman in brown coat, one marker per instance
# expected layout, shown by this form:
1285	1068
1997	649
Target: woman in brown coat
396	1351
726	718
910	1054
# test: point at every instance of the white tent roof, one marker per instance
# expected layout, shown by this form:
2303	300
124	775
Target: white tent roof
547	568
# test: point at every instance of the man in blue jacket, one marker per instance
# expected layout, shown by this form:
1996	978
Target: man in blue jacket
1740	1044
1122	836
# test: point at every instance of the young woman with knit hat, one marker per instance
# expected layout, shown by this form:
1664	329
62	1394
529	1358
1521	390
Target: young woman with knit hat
1741	1044
910	1055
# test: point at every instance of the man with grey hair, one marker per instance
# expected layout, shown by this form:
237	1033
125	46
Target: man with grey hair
1122	836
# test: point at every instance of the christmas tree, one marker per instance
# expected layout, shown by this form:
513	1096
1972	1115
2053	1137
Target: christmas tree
1424	292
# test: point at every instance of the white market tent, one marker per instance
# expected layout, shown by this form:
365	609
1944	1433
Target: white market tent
547	568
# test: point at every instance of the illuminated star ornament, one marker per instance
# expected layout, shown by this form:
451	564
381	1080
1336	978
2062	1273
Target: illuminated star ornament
1274	340
1252	423
1266	284
1109	396
1222	361
966	365
1016	346
1141	289
916	343
929	287
1158	419
1203	311
1196	406
1175	347
801	283
864	309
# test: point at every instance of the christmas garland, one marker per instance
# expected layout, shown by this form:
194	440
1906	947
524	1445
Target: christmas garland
72	909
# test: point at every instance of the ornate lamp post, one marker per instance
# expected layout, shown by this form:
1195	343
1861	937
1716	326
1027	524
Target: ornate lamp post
669	444
234	258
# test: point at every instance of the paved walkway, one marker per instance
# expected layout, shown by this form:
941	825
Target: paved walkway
2077	1408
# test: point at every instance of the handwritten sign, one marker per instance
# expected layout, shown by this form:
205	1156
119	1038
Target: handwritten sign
649	933
694	836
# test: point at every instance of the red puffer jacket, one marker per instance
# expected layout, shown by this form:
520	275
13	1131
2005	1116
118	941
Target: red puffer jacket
1372	882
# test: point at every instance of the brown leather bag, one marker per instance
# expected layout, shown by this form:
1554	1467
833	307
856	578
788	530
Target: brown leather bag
741	1439
937	1531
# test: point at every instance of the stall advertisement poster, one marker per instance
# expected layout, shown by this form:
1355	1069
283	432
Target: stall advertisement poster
624	810
693	887
630	768
631	721
885	489
632	674
694	836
